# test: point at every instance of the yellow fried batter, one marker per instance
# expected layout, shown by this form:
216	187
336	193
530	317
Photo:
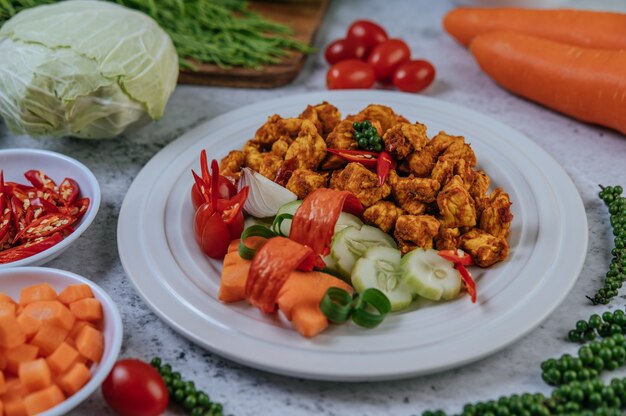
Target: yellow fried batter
308	149
496	215
421	163
484	248
442	141
412	194
304	181
447	239
403	139
324	116
383	114
270	163
232	163
253	155
443	171
413	231
361	182
456	205
459	150
383	215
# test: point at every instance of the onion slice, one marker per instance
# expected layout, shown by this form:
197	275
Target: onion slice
265	197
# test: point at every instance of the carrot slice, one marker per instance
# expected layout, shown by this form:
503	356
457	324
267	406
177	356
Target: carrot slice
13	399
88	309
35	375
20	354
3	362
74	379
11	335
48	338
78	325
51	312
6	298
36	293
43	400
7	308
3	385
29	325
62	358
90	343
72	293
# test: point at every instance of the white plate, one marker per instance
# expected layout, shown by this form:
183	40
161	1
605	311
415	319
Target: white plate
548	246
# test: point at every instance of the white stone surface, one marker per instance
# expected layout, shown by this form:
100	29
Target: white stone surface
590	155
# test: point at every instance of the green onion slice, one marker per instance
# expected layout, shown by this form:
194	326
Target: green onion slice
336	305
371	298
246	252
278	222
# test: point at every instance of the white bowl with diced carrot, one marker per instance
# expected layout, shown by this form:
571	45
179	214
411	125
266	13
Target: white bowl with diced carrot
60	335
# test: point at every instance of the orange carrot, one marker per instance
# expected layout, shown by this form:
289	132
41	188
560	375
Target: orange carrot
88	309
29	325
90	343
592	29
78	325
11	334
3	384
48	338
20	354
72	293
62	358
7	308
43	400
235	271
35	375
6	298
52	312
35	293
74	379
587	84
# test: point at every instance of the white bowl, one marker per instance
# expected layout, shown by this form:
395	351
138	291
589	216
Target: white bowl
15	162
13	280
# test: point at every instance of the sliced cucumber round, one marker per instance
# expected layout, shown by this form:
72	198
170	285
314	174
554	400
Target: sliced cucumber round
380	268
352	242
431	276
343	221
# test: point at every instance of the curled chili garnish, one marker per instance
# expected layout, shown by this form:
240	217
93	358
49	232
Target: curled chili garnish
383	162
460	260
383	165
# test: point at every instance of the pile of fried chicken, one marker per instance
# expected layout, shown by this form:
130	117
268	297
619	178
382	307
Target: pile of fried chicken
435	198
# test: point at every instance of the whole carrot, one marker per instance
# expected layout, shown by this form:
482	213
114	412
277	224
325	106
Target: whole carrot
602	30
587	84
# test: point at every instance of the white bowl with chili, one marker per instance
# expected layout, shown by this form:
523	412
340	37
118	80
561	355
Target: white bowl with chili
47	201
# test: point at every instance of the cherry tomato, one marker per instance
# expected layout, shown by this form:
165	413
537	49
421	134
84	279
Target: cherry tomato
215	236
350	74
414	76
226	190
343	49
387	57
368	32
134	388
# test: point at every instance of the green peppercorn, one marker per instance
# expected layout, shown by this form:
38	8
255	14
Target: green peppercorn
156	362
190	402
179	395
203	399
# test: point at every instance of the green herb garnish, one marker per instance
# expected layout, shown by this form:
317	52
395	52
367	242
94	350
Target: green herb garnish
367	136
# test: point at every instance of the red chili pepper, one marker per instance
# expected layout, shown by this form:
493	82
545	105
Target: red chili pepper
470	284
29	249
457	257
46	205
384	164
46	225
69	191
285	171
364	157
40	180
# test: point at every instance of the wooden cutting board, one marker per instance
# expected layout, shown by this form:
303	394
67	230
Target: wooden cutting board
303	16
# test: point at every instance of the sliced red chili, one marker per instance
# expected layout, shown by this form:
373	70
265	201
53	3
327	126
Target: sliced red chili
68	191
40	180
364	157
82	204
29	249
44	204
456	256
470	284
19	214
232	207
46	225
285	171
384	164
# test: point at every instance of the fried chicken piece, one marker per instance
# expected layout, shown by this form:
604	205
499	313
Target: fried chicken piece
280	147
308	149
342	137
442	141
253	155
456	205
277	128
478	190
459	150
324	116
402	139
361	182
443	171
447	239
383	114
304	181
496	216
270	163
485	249
413	231
421	163
231	164
383	215
412	194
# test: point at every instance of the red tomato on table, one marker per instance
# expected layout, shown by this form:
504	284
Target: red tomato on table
343	49
414	76
368	32
350	74
387	57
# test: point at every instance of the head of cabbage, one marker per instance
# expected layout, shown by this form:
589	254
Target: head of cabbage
83	68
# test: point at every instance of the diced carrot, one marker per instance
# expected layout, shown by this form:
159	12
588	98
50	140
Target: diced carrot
20	354
88	309
3	385
62	358
13	399
6	298
29	325
235	271
72	293
1	408
52	312
308	320
78	325
37	293
43	400
35	375
48	338
7	308
74	379
11	335
3	361
90	343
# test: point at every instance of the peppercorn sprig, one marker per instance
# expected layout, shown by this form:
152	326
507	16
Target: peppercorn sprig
195	402
607	324
367	136
613	199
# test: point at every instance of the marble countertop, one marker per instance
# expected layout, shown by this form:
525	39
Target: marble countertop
590	155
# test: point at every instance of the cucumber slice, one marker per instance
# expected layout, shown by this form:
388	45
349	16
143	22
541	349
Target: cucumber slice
250	220
351	243
343	221
431	276
380	268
